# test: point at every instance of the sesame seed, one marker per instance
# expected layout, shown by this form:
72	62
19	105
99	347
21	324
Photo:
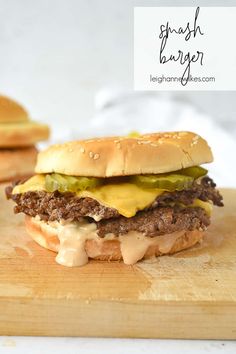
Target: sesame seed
195	140
91	154
96	156
82	150
194	143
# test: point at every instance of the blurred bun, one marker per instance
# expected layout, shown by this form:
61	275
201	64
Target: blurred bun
17	163
11	111
22	134
18	134
120	156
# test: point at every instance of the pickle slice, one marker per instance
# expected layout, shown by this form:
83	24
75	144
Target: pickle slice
62	183
169	182
88	182
195	171
134	134
55	182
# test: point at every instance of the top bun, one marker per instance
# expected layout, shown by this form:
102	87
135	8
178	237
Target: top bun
120	156
16	128
11	111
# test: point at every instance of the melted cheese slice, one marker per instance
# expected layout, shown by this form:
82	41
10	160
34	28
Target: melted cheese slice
127	198
35	183
204	205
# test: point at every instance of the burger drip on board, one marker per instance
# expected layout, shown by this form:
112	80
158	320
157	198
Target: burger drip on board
119	198
18	135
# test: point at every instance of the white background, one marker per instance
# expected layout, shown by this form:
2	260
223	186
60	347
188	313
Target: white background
215	35
40	345
54	57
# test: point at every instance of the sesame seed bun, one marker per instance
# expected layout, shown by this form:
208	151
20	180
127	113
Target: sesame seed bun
109	249
11	111
120	156
17	163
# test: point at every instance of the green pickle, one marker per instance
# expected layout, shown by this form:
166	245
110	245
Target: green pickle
134	134
195	171
168	182
63	183
178	180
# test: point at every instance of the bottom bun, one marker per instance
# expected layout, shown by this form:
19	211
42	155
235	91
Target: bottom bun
114	248
17	163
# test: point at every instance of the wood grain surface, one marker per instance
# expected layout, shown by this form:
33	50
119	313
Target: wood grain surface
188	295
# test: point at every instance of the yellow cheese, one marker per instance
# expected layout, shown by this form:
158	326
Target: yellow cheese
204	205
35	183
127	198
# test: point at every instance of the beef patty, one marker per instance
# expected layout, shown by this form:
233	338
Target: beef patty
57	206
156	222
158	219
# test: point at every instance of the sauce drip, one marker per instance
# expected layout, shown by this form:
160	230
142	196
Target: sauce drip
74	235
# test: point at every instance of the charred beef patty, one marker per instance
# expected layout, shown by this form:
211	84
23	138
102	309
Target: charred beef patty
57	206
158	219
205	191
153	222
156	222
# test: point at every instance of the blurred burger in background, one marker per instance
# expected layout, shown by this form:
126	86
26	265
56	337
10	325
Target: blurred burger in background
18	136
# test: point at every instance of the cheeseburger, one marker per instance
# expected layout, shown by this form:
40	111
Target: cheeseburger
119	198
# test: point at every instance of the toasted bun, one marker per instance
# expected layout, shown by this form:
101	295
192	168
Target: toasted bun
120	156
110	249
11	111
22	134
17	163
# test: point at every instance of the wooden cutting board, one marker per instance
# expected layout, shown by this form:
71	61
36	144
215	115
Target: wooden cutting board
189	295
